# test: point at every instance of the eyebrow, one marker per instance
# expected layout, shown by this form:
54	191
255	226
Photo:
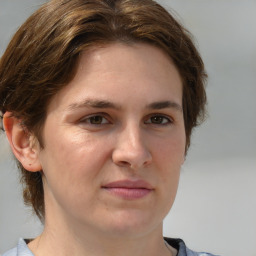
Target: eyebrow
94	103
165	104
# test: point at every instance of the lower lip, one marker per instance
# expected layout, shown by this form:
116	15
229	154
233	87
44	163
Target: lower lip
129	193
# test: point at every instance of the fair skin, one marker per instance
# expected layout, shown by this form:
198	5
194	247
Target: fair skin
114	142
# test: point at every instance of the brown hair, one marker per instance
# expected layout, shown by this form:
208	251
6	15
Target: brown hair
43	55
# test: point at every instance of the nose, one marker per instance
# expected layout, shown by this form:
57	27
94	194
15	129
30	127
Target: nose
130	149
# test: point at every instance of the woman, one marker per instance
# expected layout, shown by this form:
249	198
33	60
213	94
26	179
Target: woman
99	99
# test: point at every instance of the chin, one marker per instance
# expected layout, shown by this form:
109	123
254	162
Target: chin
133	223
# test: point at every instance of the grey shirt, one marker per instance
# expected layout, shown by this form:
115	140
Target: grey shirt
23	250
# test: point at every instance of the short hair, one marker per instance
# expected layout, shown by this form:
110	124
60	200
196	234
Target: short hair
43	55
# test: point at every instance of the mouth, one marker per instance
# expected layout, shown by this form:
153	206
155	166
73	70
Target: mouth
128	189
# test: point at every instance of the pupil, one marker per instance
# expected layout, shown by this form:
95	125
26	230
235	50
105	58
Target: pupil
157	119
96	120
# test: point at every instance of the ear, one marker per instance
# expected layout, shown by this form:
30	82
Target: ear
23	144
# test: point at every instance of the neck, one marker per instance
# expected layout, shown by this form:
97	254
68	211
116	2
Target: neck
67	236
58	242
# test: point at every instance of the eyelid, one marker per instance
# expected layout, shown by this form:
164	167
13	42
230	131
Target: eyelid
87	118
108	120
167	117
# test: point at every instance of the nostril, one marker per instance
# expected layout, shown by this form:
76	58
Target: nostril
134	156
124	163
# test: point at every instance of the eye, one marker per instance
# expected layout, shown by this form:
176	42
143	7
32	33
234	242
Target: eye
158	119
95	120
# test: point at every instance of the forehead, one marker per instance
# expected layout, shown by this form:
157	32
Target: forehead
121	71
121	56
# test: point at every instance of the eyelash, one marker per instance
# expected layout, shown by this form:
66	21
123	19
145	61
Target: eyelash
167	119
88	119
162	119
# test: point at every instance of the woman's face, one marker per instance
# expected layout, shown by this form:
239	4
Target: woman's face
114	142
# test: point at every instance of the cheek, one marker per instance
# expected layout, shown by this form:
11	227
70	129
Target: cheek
169	156
71	167
170	151
74	149
72	161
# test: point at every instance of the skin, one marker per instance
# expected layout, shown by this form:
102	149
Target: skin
120	118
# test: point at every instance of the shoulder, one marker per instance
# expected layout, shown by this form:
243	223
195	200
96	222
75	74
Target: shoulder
12	252
182	249
21	250
193	253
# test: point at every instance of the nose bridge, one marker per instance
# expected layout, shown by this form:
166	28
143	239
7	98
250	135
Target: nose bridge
134	135
131	148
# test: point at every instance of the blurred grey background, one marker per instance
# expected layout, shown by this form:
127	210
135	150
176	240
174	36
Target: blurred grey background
215	209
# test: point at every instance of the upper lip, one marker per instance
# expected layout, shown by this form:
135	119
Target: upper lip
128	184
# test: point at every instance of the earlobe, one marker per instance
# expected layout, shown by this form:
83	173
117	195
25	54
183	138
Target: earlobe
22	143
